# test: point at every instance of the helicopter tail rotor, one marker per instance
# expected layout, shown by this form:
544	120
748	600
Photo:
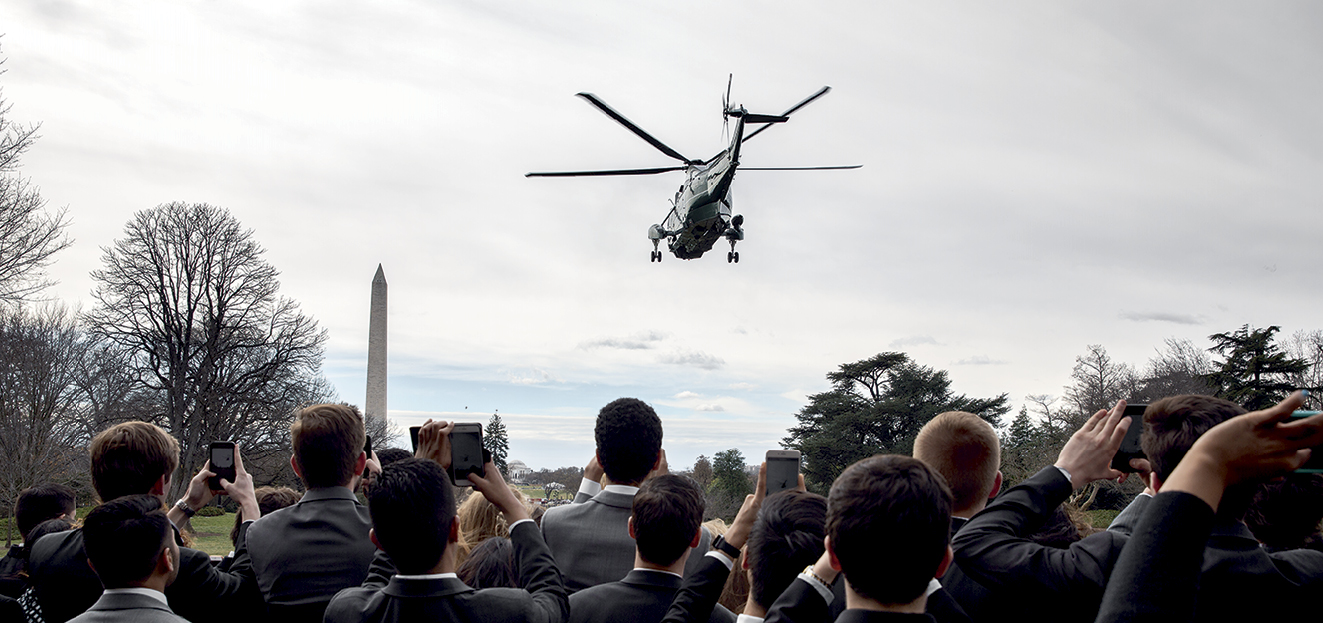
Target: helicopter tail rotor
725	110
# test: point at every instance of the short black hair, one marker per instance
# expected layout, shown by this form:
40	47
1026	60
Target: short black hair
412	507
629	437
786	537
38	503
490	565
668	510
124	537
50	526
889	520
393	455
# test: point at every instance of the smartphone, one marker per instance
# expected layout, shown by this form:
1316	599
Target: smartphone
222	463
367	445
1130	445
465	453
1315	463
413	436
782	470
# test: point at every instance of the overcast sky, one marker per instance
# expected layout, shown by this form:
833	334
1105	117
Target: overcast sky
1037	177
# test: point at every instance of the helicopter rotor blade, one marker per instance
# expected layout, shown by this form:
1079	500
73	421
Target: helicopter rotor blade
821	92
610	112
848	166
600	173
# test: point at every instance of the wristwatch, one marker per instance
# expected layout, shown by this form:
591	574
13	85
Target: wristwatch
722	546
182	505
809	572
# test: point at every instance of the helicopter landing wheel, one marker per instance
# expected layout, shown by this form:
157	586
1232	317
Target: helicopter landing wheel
737	256
730	256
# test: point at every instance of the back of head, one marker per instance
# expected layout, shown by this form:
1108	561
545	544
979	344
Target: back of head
50	526
124	538
1286	512
1171	426
667	512
490	565
39	503
889	521
964	449
392	455
128	458
327	439
786	537
412	507
629	437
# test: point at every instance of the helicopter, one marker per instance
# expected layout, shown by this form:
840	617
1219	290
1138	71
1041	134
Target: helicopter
701	211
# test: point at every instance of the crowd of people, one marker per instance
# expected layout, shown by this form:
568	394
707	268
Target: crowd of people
1216	535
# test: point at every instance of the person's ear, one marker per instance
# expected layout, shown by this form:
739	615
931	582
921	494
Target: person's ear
1156	482
630	527
655	464
698	537
372	536
996	486
946	562
831	553
453	537
744	558
161	486
360	463
294	465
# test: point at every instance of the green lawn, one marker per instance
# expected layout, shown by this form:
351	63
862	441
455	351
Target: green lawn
212	534
1101	519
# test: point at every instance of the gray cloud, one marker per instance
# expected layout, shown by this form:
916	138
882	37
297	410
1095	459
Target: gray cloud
913	340
980	360
712	408
533	376
694	358
1161	317
642	340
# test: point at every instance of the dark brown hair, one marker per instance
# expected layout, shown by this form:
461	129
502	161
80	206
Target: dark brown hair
327	439
667	512
129	457
1171	426
889	520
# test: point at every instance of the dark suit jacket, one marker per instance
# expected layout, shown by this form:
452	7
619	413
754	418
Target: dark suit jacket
119	608
642	597
1157	575
591	541
802	603
698	595
301	555
1239	579
65	586
384	598
12	584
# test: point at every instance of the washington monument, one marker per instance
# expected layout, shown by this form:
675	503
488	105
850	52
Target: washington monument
376	368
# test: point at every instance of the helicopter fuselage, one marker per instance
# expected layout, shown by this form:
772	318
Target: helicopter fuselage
701	210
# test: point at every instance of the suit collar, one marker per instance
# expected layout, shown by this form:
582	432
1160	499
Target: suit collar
435	587
611	498
649	577
128	601
957	523
861	616
328	493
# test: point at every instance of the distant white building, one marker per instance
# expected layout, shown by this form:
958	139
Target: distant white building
517	471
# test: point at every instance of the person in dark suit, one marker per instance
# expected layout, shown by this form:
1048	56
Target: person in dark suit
1158	573
665	524
590	538
301	555
35	505
1239	578
130	544
413	576
786	537
134	458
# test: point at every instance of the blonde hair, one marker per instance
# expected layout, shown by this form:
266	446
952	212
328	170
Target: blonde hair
480	520
964	449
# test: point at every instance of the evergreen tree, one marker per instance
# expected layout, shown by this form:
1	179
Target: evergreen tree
497	441
702	471
728	474
1254	373
875	406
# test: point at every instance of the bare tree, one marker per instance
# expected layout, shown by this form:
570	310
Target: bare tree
1100	381
189	302
41	402
1178	368
29	236
1308	346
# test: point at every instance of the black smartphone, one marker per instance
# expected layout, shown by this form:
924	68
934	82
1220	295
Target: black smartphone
465	453
222	463
782	470
367	445
1315	463
413	436
1130	445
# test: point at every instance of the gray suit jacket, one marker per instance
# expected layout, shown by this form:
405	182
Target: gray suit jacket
590	540
122	607
1126	521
